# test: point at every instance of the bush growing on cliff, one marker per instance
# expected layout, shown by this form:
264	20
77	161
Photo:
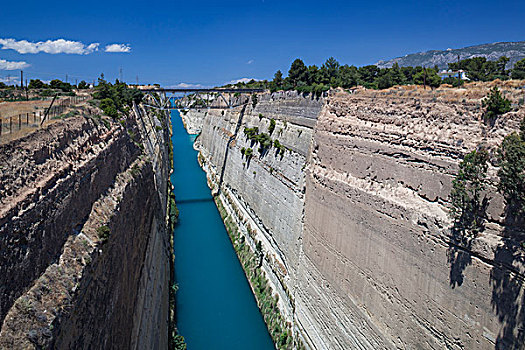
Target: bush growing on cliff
495	105
103	233
467	199
512	171
271	128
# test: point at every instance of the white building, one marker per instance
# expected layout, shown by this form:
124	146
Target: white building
453	74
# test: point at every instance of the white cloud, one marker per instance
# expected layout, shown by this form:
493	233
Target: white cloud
118	48
49	46
187	86
250	62
13	65
242	80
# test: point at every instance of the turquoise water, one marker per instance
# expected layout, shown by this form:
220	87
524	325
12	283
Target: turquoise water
215	306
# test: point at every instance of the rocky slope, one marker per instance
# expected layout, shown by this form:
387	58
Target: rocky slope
85	249
354	219
515	51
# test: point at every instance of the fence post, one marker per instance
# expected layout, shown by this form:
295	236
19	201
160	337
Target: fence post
27	118
19	121
10	125
34	117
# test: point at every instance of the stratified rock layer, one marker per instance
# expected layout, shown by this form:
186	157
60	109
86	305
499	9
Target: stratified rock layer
357	215
84	243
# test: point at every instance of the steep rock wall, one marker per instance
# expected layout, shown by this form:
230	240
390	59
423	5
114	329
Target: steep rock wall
381	268
104	282
357	215
267	188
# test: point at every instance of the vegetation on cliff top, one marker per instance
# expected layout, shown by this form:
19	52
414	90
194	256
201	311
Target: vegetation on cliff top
116	97
332	74
495	105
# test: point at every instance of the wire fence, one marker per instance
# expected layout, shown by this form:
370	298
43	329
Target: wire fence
19	124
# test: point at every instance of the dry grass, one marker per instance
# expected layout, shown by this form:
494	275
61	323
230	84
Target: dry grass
469	93
26	117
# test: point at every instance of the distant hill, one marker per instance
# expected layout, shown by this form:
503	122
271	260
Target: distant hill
513	50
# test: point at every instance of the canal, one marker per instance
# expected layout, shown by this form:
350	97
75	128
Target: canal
215	306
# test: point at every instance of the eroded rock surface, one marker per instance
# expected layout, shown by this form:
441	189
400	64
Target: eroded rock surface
373	263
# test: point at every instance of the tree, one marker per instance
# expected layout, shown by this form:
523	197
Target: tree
518	72
501	65
427	76
384	81
109	108
330	71
60	85
314	75
36	84
83	85
512	171
468	204
368	74
348	76
495	105
297	72
396	75
278	79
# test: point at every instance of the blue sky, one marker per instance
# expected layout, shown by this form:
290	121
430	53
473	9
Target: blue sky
214	42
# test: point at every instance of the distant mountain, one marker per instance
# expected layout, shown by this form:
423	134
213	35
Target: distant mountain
513	50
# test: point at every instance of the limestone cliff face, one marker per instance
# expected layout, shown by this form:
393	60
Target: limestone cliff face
357	215
379	259
84	243
267	189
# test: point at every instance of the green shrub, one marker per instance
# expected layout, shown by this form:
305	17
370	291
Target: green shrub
109	108
179	342
271	128
103	233
512	171
495	105
251	133
467	199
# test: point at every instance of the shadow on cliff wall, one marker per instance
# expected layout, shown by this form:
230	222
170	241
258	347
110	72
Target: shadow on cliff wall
508	297
230	140
459	258
465	229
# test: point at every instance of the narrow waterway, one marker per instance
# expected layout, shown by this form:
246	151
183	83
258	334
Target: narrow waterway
215	306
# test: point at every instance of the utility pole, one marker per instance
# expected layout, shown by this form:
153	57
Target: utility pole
120	74
21	80
137	80
66	78
76	83
27	92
